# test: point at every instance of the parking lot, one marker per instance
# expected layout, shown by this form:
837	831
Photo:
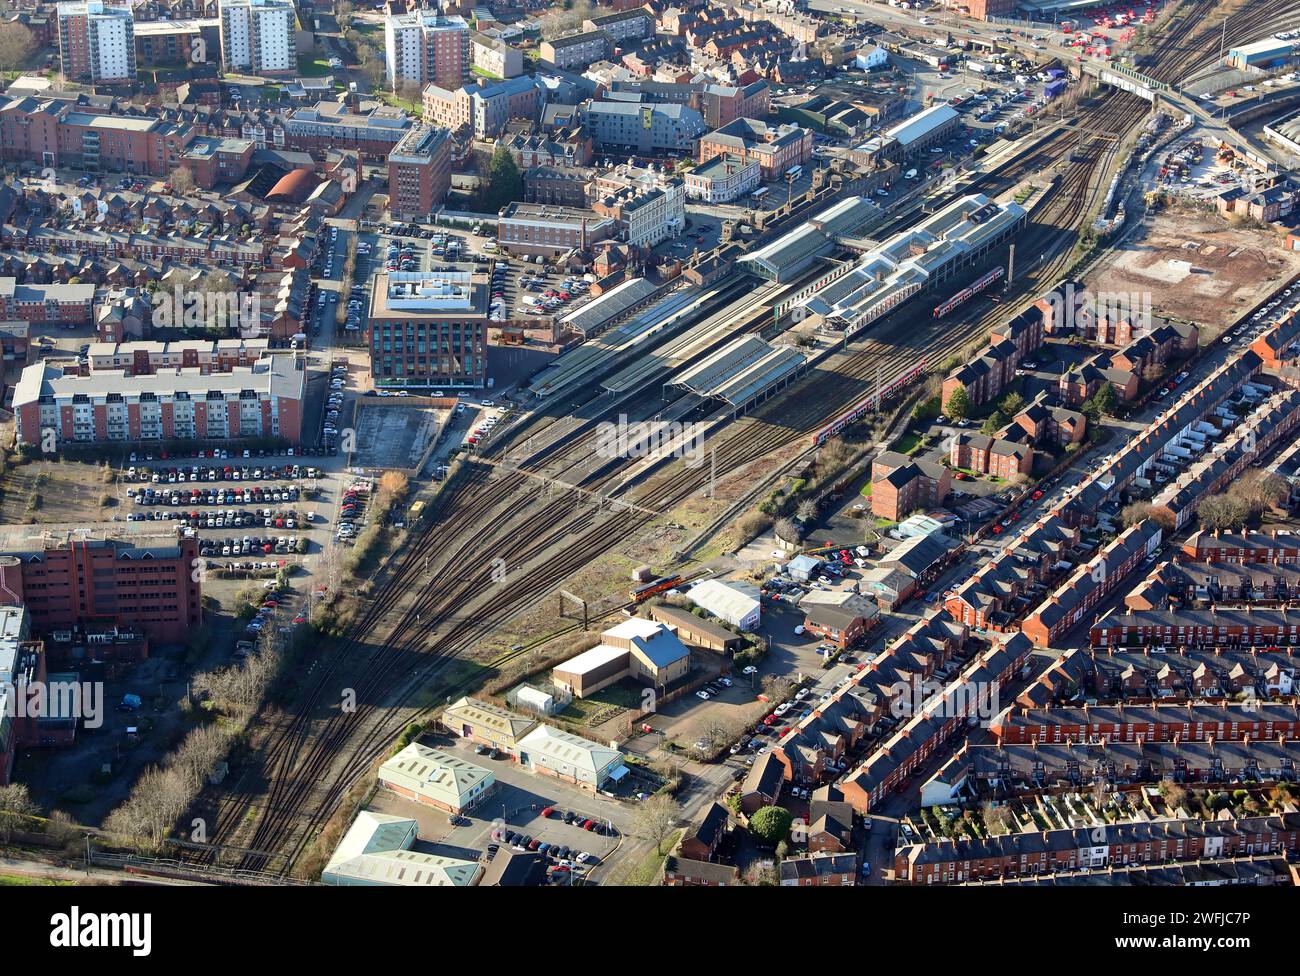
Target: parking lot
516	804
251	515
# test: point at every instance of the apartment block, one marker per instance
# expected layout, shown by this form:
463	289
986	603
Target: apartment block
624	25
261	400
424	46
419	172
577	50
258	37
71	581
900	485
147	358
37	304
96	42
643	128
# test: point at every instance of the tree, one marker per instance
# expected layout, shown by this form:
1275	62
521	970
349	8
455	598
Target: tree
1103	403
786	530
770	825
393	486
806	511
1174	795
997	820
959	405
762	874
16	810
17	45
1219	512
558	20
657	817
1012	403
927	409
182	181
1154	373
1260	491
505	184
1138	512
994	423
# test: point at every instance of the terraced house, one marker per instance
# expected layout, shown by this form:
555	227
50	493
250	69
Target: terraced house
1190	721
1094	848
1091	582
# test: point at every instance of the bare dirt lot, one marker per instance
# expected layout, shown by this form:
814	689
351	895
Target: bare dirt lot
1225	274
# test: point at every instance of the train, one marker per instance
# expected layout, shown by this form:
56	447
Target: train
646	590
870	403
969	292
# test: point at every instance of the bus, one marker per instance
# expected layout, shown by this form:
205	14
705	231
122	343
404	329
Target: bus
794	172
759	193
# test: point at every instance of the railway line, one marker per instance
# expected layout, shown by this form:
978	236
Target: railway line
444	595
295	762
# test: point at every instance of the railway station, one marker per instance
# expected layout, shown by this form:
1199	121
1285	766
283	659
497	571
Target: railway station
887	274
741	373
589	360
610	308
790	255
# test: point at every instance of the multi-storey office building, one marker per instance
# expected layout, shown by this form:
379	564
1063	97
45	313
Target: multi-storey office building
428	330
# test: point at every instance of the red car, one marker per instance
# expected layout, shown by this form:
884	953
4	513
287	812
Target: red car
1036	495
997	530
547	811
589	825
770	720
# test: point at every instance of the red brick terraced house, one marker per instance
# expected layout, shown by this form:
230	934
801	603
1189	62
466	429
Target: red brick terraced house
1184	722
1094	848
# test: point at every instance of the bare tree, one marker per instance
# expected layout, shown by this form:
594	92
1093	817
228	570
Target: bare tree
786	530
806	511
16	809
1175	796
1221	512
182	181
61	828
997	820
657	817
17	44
558	20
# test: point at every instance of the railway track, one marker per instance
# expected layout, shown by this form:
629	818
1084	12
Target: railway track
295	761
441	598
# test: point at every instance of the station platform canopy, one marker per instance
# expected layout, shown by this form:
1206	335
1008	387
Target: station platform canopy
593	316
741	372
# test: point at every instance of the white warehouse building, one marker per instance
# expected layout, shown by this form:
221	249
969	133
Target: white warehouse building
738	604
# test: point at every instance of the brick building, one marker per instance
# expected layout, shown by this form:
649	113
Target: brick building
419	172
261	400
900	485
1095	848
143	583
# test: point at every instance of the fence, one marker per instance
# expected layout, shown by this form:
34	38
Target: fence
169	867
